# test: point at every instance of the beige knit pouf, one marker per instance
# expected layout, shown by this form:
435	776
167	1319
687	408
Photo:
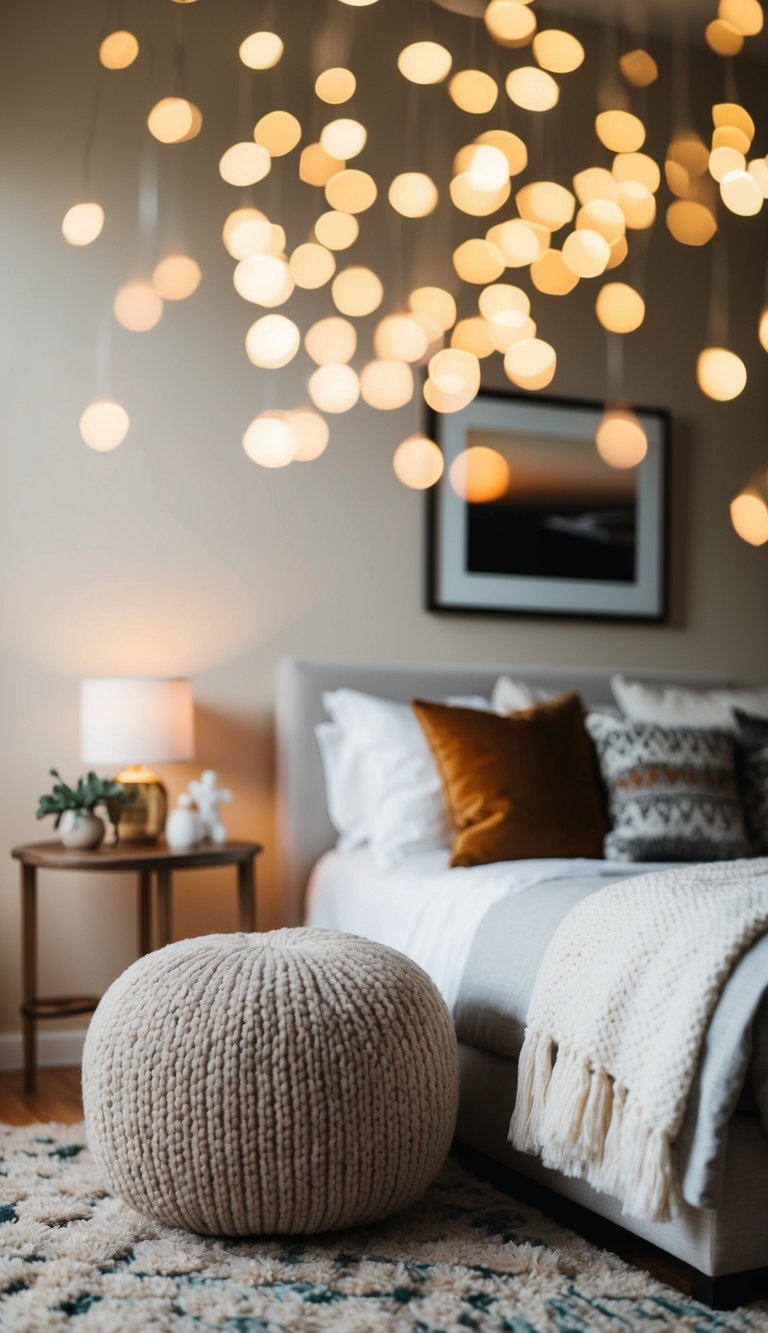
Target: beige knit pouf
298	1081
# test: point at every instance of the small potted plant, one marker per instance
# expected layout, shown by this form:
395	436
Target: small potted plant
73	808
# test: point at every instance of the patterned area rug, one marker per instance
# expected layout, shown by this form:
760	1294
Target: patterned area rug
466	1257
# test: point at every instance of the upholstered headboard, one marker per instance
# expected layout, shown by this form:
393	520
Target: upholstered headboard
304	829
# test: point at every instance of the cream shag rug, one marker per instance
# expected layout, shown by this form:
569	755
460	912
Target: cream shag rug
466	1257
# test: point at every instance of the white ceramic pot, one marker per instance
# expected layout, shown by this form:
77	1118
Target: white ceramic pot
183	830
81	830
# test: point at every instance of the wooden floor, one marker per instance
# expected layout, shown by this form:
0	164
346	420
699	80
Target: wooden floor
57	1098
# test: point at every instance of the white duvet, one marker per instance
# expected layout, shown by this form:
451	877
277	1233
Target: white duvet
423	908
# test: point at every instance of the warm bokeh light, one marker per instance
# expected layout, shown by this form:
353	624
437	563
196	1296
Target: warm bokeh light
550	274
619	307
637	167
436	303
478	261
337	231
118	50
511	145
620	131
262	50
137	307
595	183
331	341
749	516
335	85
639	68
762	329
620	439
175	120
603	216
724	159
176	277
351	191
413	194
746	16
479	475
272	342
557	51
270	440
586	253
418	463
476	199
357	291
312	265
264	280
473	91
104	425
741	193
400	338
758	170
546	202
247	231
279	132
425	62
532	88
343	138
446	403
518	242
531	364
386	385
509	22
497	300
721	374
723	38
637	204
82	223
244	164
312	434
334	388
454	372
316	167
473	335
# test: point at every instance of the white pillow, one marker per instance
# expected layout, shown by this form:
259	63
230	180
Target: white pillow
513	696
381	779
677	706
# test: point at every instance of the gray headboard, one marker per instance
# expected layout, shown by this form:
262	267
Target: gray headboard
304	830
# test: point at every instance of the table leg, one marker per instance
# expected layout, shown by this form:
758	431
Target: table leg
145	912
246	895
29	969
164	906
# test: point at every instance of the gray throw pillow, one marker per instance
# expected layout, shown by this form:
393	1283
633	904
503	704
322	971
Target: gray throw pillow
672	792
753	745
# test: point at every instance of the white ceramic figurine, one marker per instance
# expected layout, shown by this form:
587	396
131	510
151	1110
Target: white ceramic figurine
184	827
208	796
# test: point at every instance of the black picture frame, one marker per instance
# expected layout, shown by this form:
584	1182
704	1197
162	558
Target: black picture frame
454	590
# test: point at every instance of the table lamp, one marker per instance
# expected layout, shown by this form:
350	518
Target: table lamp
137	722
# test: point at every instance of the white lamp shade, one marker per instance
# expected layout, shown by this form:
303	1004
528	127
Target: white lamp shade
139	720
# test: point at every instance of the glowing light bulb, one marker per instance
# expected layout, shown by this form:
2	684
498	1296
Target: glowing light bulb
586	253
734	114
723	38
278	132
724	159
758	170
619	307
137	307
104	425
316	167
532	89
479	475
83	223
436	303
637	204
248	232
312	266
620	439
511	145
331	341
749	516
357	291
721	374
637	167
343	138
245	164
454	372
620	131
175	120
595	183
337	231
741	193
639	68
176	277
351	191
262	50
446	403
746	16
487	168
546	202
118	50
272	342
478	261
473	91
497	301
762	329
473	335
531	364
557	51
335	85
510	23
264	280
418	463
424	62
518	243
270	440
603	216
386	385
334	388
413	194
476	199
550	274
400	338
312	435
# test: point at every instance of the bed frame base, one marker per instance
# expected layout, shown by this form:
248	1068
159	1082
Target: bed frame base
726	1292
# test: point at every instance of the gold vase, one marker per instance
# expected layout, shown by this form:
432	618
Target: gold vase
142	819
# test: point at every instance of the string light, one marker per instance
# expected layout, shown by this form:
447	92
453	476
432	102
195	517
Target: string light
620	131
272	342
510	23
262	50
118	50
137	307
531	364
473	91
401	338
278	132
335	85
418	463
639	68
351	191
425	62
479	475
343	138
312	435
357	291
331	341
176	277
532	89
413	194
550	274
264	280
749	516
316	167
270	440
620	439
334	388
619	308
83	223
557	51
175	120
104	425
337	231
386	385
312	266
244	164
721	374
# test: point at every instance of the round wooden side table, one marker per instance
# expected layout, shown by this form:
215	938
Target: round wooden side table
142	859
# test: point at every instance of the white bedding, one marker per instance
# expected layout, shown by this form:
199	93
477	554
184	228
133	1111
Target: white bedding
423	908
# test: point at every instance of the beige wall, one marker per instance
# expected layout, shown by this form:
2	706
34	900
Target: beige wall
175	554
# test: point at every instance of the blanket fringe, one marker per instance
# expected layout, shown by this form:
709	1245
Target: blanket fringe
584	1124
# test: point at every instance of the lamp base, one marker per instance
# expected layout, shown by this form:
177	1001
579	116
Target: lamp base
143	819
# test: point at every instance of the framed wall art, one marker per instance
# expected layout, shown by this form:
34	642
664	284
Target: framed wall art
555	530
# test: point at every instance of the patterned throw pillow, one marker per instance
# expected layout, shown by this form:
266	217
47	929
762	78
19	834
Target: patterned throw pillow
672	792
753	745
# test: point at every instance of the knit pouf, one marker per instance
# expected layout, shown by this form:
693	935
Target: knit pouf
292	1082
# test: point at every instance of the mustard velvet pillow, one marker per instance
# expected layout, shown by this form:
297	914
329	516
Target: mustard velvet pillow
519	786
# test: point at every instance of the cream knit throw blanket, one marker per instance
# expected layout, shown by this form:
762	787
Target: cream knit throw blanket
617	1018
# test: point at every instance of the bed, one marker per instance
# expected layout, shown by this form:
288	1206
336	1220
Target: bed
425	911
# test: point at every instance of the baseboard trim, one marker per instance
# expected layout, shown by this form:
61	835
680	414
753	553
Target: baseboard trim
64	1047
